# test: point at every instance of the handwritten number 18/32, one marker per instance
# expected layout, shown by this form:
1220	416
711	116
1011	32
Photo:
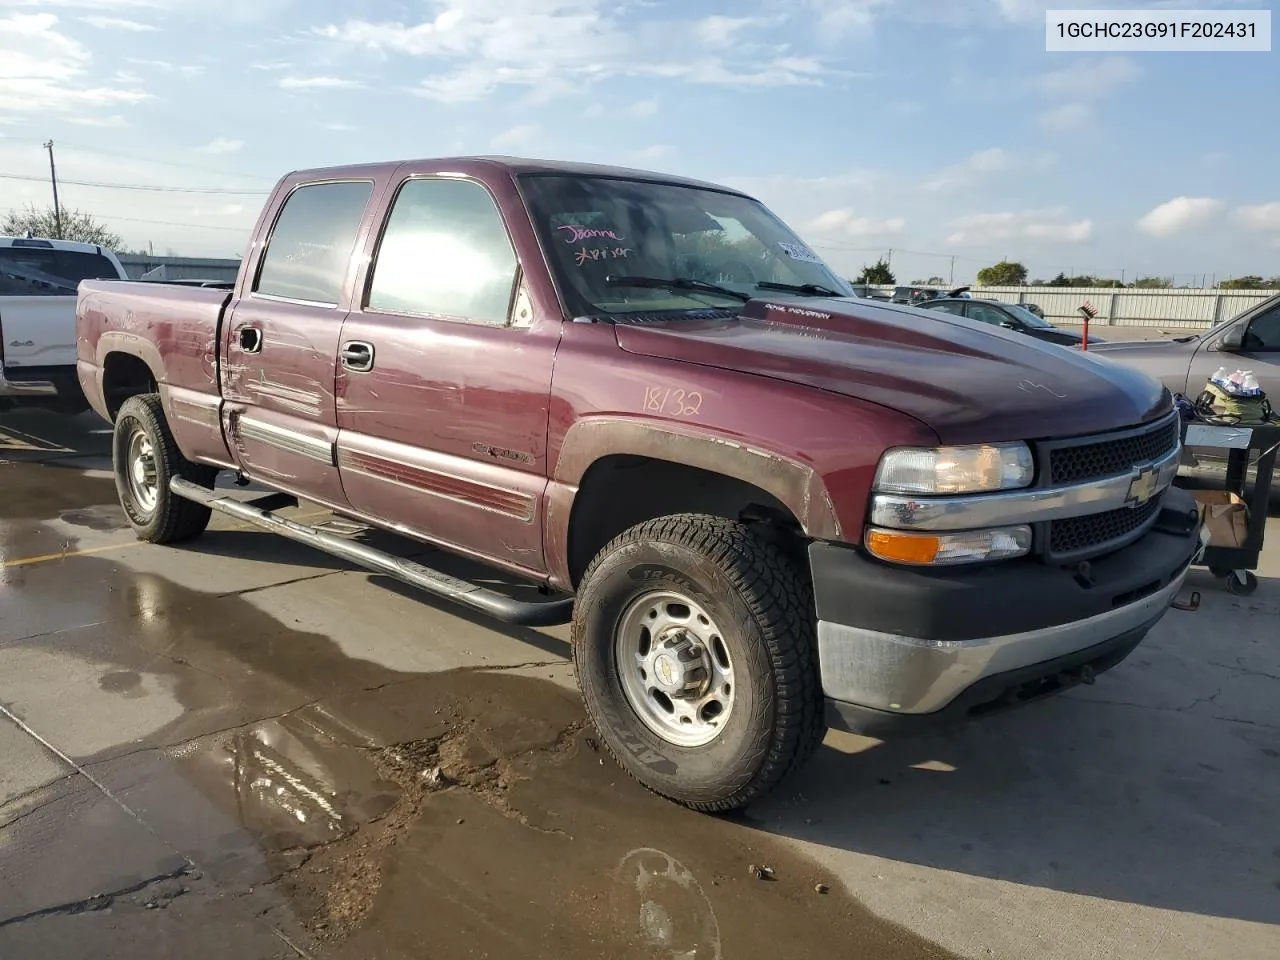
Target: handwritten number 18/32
672	401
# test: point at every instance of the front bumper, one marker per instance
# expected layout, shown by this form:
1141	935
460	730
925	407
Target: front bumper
905	647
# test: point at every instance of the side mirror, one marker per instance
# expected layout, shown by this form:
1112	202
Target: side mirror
1233	340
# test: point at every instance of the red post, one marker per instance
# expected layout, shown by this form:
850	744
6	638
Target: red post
1085	343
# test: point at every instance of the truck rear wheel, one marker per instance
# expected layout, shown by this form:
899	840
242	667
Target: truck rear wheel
694	645
145	458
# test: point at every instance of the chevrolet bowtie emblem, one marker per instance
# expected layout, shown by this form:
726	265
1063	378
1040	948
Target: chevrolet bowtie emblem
1142	487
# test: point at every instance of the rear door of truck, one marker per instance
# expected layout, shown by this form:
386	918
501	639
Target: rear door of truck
280	336
38	281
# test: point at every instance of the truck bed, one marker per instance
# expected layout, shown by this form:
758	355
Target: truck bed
172	329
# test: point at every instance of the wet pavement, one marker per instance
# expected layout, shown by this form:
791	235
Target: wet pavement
241	747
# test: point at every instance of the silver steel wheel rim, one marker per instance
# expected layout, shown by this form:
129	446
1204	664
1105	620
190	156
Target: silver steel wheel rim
140	466
675	668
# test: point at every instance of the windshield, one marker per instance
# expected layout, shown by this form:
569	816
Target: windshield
1027	317
599	227
41	272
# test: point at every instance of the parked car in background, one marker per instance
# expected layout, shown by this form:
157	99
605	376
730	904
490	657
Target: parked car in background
1250	341
38	283
1011	316
868	292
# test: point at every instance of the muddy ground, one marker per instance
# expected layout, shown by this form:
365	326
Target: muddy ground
241	748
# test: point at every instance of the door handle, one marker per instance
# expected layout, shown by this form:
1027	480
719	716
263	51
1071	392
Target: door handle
251	339
357	356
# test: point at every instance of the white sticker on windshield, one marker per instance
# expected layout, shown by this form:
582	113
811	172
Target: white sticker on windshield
798	251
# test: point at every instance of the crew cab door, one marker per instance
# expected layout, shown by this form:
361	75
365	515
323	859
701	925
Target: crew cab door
281	339
444	378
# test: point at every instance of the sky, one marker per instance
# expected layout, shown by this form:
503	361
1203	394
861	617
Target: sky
939	133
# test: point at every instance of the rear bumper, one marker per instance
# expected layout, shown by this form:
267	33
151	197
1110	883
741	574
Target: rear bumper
902	648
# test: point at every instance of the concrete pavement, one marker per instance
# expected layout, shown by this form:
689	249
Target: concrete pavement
243	747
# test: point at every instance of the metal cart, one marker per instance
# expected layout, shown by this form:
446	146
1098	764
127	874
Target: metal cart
1235	565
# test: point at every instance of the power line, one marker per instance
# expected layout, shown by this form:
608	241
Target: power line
216	191
163	223
163	163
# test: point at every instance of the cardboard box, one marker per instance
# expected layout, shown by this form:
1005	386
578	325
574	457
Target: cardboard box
1225	516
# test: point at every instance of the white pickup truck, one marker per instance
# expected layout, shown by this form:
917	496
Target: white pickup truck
38	283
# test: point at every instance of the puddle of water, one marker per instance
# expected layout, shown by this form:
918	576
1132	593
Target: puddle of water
462	813
44	491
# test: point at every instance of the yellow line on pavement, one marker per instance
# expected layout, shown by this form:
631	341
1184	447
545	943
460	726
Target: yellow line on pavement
126	544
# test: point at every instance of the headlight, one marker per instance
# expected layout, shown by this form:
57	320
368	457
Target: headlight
942	549
941	470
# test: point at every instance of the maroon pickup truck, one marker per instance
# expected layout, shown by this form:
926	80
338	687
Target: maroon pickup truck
765	505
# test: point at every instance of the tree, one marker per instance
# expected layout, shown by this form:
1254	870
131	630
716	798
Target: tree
1003	274
1153	283
877	273
1249	282
76	225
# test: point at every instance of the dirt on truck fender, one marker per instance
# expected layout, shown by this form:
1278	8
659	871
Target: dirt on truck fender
765	504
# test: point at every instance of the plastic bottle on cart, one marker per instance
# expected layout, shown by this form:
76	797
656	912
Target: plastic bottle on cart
1251	387
1235	382
1220	377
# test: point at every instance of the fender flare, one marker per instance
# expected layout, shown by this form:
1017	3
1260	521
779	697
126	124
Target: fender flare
793	483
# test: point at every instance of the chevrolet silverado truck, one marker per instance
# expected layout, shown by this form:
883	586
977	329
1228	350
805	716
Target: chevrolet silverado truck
765	505
38	281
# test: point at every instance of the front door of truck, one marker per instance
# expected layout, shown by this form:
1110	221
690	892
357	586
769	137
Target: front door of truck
281	341
444	378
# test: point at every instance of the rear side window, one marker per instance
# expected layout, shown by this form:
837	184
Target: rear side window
310	248
955	308
445	253
35	272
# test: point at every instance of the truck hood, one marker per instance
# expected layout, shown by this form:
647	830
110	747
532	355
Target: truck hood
968	382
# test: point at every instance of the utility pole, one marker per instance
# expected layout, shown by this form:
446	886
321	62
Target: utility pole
952	281
889	259
57	210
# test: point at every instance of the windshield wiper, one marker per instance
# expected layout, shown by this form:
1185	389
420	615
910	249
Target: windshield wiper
811	289
676	283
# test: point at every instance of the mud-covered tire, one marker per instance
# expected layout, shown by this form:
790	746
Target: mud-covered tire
763	607
169	519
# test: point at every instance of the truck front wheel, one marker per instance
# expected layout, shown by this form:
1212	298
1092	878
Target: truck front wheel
694	645
145	458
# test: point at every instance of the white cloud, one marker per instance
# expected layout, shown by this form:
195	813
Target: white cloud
221	145
557	47
118	23
643	108
1087	80
519	135
842	221
718	31
42	70
1264	216
1179	214
978	164
317	83
186	69
112	120
1038	225
1068	118
657	151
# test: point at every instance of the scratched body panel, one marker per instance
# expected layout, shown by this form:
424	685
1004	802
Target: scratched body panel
447	434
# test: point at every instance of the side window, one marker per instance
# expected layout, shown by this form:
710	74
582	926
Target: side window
445	253
1264	332
984	314
310	247
954	308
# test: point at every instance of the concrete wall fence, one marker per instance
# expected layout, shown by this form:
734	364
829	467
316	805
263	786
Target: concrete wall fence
1180	308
